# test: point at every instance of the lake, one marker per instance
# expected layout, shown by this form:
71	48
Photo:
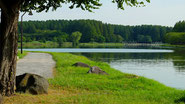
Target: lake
163	65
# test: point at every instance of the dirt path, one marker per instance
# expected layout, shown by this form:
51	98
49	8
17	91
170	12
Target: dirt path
36	63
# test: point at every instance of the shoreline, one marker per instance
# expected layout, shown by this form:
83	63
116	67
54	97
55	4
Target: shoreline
73	85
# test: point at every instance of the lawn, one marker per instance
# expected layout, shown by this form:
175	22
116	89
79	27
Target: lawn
72	85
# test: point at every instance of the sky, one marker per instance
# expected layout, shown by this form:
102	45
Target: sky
158	12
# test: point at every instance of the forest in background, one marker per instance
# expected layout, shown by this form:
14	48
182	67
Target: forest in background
92	31
177	36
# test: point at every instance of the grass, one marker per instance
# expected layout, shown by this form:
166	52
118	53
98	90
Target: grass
101	45
175	46
37	44
22	55
50	44
72	85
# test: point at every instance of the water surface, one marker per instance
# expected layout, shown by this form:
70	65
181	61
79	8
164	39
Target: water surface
165	66
102	50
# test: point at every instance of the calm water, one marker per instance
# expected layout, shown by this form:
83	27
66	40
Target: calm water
103	50
165	66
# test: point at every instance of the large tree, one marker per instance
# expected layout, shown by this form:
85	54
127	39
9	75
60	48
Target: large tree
10	10
75	37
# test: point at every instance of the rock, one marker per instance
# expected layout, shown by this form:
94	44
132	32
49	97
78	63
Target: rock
97	70
80	64
31	83
1	99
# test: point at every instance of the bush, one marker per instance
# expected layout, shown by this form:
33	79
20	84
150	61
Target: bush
175	38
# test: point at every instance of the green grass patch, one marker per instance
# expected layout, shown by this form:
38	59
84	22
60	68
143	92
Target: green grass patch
72	85
22	55
115	88
50	44
37	44
175	46
101	45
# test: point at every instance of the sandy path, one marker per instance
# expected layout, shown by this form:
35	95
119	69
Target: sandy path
36	63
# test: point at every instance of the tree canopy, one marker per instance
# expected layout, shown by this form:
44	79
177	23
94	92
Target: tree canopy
76	36
93	31
177	36
45	5
179	26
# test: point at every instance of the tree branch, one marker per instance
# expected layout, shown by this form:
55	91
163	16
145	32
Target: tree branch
20	2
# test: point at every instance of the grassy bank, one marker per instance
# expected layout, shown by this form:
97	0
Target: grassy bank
173	46
73	85
47	44
101	45
50	44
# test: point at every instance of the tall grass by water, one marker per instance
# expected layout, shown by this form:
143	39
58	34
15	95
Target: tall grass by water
115	88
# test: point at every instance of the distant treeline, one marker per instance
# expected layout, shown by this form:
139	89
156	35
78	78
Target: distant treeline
177	36
92	31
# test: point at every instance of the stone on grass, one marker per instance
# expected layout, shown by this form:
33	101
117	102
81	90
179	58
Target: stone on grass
80	64
97	70
31	83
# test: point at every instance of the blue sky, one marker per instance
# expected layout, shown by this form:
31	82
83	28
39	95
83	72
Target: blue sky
158	12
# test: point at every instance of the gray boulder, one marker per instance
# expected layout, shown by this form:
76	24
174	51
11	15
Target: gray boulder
31	83
80	64
97	70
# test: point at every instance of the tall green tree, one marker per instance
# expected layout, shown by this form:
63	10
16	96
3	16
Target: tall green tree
148	39
61	39
119	39
75	37
10	10
179	26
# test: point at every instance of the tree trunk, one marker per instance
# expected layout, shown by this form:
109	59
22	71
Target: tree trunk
8	50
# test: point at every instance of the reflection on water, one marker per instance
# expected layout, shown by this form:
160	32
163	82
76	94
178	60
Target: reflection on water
167	68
